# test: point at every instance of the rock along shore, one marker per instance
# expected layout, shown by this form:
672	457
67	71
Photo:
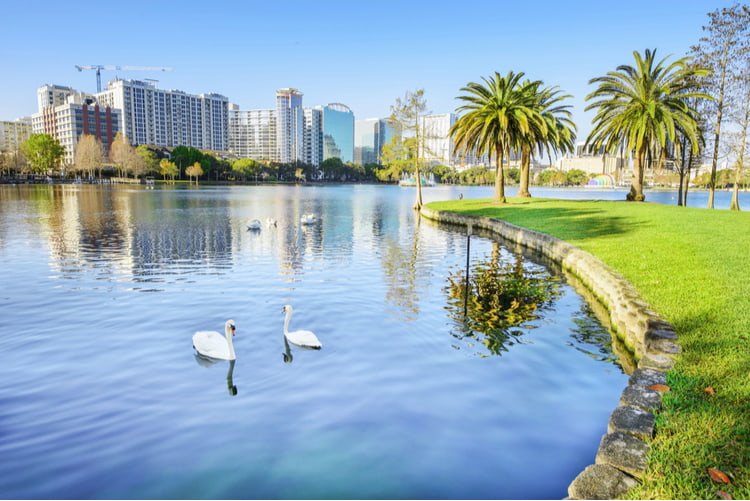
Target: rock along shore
622	456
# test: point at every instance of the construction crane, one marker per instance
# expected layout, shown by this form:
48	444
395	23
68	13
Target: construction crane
100	67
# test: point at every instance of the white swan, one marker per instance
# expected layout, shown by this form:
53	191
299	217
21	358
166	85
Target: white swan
308	218
254	225
270	222
302	338
213	345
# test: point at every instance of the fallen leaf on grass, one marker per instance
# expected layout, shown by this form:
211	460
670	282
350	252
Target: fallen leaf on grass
718	476
710	390
724	495
659	387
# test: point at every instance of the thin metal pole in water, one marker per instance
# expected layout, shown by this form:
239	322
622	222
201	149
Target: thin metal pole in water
468	249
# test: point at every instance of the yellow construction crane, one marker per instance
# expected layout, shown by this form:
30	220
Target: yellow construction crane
99	67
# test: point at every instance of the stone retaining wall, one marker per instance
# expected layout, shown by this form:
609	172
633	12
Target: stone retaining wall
623	451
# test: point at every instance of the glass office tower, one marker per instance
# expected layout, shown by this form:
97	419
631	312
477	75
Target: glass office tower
338	132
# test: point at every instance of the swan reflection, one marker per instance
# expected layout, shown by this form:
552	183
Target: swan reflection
204	361
287	352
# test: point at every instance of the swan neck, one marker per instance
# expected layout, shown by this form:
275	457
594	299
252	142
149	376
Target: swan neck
286	322
228	334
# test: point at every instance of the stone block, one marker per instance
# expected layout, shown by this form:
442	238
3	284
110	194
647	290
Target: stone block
633	421
601	481
656	361
642	397
648	377
624	452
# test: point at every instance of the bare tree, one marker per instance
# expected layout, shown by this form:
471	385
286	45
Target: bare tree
89	155
722	51
741	117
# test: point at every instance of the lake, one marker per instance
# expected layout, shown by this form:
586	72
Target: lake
102	396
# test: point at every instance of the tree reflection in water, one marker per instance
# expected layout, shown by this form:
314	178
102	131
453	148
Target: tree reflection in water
502	294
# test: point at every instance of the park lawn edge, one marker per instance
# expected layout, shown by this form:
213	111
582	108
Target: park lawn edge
691	266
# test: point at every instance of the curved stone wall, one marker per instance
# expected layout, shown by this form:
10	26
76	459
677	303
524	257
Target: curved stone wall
621	458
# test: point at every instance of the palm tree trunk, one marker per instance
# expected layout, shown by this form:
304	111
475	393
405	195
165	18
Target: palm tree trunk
523	190
499	178
636	189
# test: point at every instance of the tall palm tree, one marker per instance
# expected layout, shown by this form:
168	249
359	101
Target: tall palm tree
642	105
559	135
496	117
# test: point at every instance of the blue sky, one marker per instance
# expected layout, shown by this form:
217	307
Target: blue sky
362	54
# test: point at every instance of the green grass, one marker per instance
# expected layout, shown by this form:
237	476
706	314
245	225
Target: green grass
693	267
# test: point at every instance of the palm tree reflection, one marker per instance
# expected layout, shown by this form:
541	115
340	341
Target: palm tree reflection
500	296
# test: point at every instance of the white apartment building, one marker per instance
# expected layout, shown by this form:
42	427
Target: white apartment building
168	118
313	136
252	134
52	95
290	123
438	147
14	133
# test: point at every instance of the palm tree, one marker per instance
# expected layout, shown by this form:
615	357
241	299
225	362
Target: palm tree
559	135
642	105
496	118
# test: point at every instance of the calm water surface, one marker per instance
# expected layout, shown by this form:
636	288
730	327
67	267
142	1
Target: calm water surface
101	395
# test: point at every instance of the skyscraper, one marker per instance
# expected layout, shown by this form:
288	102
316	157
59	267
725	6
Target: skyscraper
289	125
252	134
338	132
369	137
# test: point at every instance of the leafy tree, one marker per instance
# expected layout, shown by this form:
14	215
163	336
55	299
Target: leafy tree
150	159
476	175
333	168
396	155
167	168
184	157
576	177
194	171
246	167
43	152
405	118
497	117
724	51
551	177
89	155
644	105
444	174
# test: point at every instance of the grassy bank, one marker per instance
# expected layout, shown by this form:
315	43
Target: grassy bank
693	267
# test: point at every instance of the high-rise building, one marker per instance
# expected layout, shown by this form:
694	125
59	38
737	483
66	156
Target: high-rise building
289	125
252	134
14	133
369	137
169	118
338	132
52	95
68	115
291	132
437	144
313	138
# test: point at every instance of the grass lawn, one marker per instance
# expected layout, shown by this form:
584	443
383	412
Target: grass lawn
693	267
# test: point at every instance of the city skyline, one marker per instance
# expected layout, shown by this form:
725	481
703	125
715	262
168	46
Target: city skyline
364	56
